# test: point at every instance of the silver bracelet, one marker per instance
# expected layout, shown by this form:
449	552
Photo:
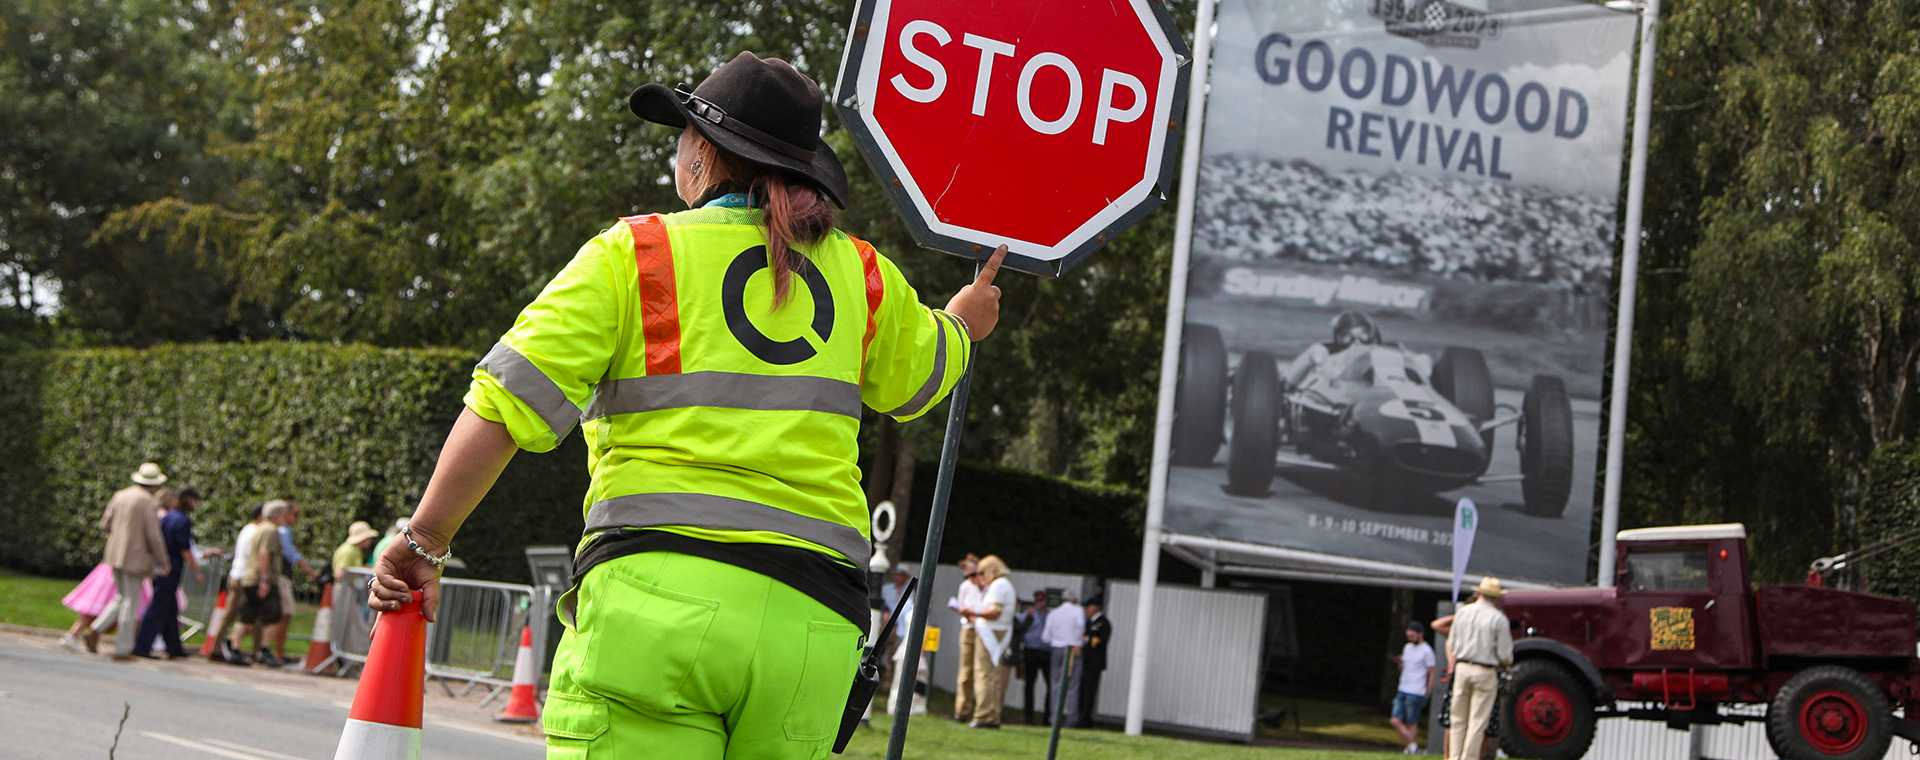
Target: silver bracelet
964	329
440	561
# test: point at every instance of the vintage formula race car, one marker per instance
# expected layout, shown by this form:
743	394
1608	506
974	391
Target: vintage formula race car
1398	422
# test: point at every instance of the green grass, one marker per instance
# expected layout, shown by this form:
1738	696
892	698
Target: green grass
1328	722
936	737
33	601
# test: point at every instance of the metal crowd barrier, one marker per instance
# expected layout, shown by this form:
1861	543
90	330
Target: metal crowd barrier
474	638
202	595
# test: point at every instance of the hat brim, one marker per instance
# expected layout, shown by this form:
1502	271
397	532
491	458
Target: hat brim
657	103
159	480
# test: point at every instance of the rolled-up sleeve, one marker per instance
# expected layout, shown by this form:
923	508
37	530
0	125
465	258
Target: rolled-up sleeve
917	355
536	380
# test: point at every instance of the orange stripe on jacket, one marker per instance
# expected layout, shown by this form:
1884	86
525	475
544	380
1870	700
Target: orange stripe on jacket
659	303
876	287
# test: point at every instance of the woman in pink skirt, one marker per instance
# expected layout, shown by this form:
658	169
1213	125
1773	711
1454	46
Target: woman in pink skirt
96	596
87	601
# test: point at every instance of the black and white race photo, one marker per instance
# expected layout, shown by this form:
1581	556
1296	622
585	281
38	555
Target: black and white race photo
1398	289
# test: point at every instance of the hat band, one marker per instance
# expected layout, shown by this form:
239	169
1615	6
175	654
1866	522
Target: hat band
765	140
711	113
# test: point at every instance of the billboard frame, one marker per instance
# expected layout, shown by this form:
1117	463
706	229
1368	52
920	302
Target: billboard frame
1295	564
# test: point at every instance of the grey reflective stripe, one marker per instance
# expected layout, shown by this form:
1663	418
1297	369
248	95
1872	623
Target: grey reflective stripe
701	510
924	396
527	383
727	390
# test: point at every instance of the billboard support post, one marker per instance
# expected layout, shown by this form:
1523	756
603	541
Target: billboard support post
1629	280
1169	366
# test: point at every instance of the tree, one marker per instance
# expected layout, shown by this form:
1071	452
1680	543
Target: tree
1778	337
109	104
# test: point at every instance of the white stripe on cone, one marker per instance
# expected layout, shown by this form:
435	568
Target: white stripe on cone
322	627
362	740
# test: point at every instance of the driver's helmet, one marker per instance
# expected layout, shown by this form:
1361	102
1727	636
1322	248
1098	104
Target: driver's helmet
1354	327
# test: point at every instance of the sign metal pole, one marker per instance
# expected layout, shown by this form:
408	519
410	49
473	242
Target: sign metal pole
1060	703
1169	368
936	532
1629	285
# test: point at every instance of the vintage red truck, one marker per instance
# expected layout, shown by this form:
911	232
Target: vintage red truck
1684	630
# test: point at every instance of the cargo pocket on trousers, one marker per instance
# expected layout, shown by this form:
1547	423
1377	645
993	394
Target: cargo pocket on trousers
833	649
572	724
646	642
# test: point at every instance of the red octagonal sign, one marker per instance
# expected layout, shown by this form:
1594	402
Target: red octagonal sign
1047	125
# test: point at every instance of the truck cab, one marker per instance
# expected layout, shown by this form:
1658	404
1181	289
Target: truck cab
1683	629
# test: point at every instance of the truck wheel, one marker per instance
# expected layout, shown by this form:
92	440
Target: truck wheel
1547	714
1256	425
1200	398
1828	713
1461	377
1546	447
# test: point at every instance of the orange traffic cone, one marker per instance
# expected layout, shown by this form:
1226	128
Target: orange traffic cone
214	621
320	645
384	723
520	706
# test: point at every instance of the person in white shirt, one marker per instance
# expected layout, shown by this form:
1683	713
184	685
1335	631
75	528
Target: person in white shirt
1066	632
241	567
994	612
965	600
1417	672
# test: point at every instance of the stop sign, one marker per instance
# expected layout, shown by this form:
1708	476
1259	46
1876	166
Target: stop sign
1047	125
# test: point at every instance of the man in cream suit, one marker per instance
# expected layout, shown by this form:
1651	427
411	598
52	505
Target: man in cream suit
135	549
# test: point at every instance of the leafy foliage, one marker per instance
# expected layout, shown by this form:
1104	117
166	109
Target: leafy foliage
349	432
1778	330
993	510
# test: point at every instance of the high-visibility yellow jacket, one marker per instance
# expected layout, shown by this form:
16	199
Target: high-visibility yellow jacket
707	411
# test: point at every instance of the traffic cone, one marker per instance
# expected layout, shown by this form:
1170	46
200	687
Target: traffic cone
384	723
214	621
320	644
520	706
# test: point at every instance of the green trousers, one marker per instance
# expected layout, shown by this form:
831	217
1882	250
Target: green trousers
675	656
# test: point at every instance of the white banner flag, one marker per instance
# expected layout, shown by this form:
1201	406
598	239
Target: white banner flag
1466	521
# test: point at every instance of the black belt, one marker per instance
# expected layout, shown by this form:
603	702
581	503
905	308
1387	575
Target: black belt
838	586
1476	662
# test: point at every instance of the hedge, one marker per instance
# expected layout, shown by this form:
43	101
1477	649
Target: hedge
349	432
1032	521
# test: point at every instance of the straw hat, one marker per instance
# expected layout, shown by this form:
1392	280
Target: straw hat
359	531
1490	588
149	474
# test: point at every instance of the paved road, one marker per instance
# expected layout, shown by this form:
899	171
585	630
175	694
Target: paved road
57	705
1328	512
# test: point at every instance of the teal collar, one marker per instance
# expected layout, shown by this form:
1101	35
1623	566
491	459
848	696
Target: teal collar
730	200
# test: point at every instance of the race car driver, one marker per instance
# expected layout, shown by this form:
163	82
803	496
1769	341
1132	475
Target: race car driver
1351	328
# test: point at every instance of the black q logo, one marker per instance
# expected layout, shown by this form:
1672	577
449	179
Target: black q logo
733	293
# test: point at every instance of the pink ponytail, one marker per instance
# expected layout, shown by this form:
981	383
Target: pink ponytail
796	212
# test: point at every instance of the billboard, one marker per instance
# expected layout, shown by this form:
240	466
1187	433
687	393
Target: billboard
1399	279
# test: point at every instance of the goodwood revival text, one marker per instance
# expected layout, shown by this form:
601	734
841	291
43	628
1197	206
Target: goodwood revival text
1443	91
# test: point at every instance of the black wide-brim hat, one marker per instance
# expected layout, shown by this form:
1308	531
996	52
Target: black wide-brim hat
762	110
